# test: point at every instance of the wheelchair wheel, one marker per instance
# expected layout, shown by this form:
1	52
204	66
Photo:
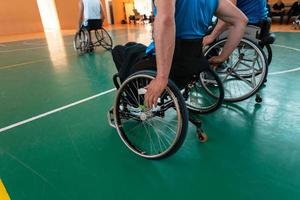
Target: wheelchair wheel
268	52
205	93
104	39
155	133
244	71
81	41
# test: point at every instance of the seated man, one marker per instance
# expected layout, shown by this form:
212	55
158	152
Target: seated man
91	15
135	17
278	10
179	28
255	10
294	11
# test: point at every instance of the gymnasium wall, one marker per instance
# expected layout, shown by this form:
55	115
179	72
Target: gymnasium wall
288	2
19	17
118	9
22	16
67	11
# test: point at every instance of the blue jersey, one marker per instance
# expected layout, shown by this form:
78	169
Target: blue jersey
192	18
255	10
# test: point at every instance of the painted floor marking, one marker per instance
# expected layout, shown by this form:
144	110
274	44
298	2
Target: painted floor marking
30	48
285	71
24	63
283	46
3	193
33	62
22	49
54	111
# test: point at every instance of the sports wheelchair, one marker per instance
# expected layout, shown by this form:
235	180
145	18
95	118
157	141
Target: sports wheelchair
91	36
160	131
245	71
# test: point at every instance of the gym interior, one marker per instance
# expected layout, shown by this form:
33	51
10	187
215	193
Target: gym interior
56	141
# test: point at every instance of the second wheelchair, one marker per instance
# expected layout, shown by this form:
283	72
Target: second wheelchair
245	71
92	36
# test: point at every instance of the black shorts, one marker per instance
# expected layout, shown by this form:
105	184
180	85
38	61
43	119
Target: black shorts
188	60
94	24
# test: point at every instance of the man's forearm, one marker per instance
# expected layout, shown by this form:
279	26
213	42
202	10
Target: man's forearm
235	34
219	28
164	45
80	18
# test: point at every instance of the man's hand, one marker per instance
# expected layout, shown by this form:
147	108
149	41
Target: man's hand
154	90
216	60
207	40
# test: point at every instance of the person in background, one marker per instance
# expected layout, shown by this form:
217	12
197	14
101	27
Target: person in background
294	11
91	16
278	10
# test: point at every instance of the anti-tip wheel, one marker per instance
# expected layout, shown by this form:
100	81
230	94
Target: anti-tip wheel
202	136
258	99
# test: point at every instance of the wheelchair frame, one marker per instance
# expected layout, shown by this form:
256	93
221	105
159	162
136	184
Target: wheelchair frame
83	42
129	104
244	72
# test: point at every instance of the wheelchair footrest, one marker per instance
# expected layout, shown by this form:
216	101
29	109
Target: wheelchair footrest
110	118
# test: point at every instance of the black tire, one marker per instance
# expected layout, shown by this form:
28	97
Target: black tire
244	72
104	39
206	94
81	41
268	52
145	139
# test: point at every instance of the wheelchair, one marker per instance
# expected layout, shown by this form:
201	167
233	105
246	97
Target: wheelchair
245	71
92	36
159	132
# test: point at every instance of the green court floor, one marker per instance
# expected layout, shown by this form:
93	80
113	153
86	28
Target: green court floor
253	151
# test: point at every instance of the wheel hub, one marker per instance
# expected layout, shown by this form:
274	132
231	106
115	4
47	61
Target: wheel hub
143	116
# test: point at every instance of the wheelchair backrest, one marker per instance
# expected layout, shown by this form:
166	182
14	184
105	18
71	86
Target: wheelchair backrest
252	33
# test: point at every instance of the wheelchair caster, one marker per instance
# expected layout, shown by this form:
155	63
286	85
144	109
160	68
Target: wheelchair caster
110	118
266	80
201	136
258	99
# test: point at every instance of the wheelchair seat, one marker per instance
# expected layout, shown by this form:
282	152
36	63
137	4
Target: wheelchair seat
94	24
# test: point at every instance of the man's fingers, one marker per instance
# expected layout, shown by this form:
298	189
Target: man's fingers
155	101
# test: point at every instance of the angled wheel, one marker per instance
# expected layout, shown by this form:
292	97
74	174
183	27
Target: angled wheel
155	133
268	52
205	94
81	41
104	39
244	72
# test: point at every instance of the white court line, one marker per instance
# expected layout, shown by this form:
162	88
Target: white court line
55	111
291	48
23	49
285	71
20	64
31	48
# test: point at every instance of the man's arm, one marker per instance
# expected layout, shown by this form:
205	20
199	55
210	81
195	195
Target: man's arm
102	11
236	22
164	38
219	28
80	19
